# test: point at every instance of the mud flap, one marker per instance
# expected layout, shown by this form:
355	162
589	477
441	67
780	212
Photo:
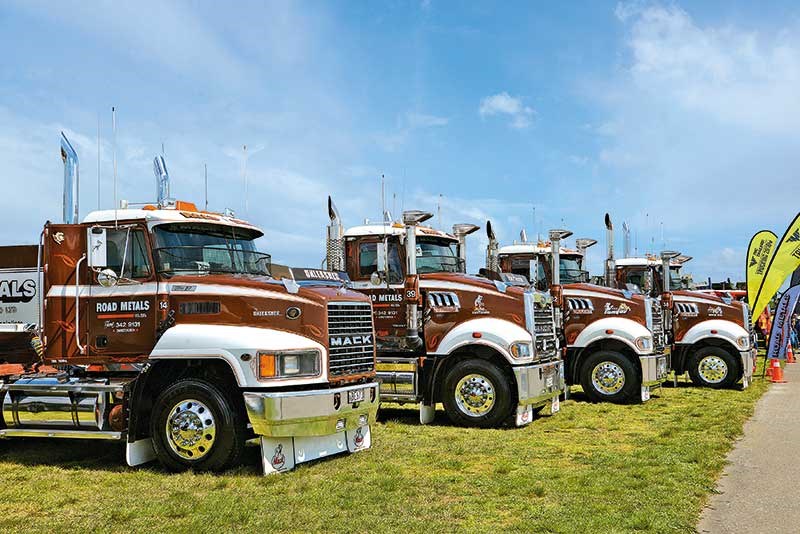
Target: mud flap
524	415
139	452
426	413
745	382
645	393
555	406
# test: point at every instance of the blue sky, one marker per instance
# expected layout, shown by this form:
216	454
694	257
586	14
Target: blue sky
679	113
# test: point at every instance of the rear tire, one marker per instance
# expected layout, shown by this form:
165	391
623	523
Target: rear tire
194	425
713	367
608	376
477	393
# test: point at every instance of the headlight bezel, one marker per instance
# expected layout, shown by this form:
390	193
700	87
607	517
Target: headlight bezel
518	350
644	343
275	365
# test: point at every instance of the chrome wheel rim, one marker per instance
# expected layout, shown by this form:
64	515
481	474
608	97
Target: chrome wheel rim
191	429
608	378
475	395
712	369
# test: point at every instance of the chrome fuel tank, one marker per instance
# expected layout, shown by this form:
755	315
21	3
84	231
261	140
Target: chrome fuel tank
53	403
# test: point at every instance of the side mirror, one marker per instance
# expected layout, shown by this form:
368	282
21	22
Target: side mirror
383	254
107	278
97	253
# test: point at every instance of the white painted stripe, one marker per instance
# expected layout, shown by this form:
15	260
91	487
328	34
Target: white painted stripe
592	294
455	286
151	288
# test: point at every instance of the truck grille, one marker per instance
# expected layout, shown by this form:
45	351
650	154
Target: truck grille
350	338
542	327
659	335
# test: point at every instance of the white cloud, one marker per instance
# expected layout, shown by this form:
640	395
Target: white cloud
505	104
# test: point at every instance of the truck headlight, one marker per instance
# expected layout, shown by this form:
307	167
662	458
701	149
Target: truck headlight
643	343
743	342
289	364
521	349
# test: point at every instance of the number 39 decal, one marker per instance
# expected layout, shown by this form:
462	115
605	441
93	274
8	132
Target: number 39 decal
411	294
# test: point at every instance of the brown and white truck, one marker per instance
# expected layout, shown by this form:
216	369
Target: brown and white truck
711	336
486	350
615	344
164	328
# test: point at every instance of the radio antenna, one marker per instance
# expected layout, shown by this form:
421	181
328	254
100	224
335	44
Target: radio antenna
244	176
205	170
114	152
439	210
98	161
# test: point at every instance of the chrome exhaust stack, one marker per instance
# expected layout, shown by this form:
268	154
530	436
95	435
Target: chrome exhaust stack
461	231
492	250
609	263
410	220
334	253
162	183
71	181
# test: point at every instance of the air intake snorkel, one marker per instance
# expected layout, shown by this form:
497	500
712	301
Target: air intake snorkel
461	231
71	181
410	220
162	183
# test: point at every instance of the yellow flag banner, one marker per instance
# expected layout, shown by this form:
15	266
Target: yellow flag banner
759	252
785	260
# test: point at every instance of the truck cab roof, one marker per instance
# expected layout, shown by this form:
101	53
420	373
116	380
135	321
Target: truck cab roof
534	248
395	229
155	216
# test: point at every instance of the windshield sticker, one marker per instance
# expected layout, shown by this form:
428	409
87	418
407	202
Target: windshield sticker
622	309
479	308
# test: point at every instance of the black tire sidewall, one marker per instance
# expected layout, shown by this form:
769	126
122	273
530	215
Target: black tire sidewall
729	359
503	400
631	390
229	438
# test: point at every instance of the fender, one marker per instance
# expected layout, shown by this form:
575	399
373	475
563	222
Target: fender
625	330
495	333
727	330
228	343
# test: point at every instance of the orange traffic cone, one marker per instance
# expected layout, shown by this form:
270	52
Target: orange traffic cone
789	354
777	371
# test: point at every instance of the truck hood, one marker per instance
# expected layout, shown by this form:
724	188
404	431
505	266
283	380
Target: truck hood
262	302
691	307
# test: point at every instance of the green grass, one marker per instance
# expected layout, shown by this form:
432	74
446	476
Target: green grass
592	467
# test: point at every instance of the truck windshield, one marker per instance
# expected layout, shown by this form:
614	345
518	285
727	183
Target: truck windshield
438	256
186	248
570	270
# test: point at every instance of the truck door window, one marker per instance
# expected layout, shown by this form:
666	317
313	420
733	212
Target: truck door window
368	261
127	253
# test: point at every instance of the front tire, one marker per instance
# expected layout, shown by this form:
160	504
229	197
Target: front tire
194	425
713	367
608	376
477	393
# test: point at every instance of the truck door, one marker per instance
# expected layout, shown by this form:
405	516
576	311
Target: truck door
387	298
121	316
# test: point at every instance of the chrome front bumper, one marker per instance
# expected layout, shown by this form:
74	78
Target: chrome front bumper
537	384
655	368
310	413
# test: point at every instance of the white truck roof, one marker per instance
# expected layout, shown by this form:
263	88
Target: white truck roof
534	248
395	229
155	217
642	262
